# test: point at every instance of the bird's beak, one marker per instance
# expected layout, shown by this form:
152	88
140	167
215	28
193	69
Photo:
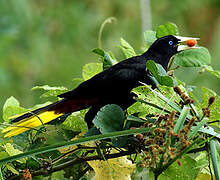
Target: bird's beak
184	39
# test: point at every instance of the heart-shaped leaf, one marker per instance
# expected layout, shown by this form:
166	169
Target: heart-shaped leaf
167	29
109	119
193	58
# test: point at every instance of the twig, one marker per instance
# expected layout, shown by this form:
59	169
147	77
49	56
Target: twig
63	155
75	161
69	152
210	122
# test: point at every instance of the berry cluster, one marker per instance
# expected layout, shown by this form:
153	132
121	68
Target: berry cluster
186	99
206	110
163	143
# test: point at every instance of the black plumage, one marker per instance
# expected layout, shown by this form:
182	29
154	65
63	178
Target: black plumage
111	86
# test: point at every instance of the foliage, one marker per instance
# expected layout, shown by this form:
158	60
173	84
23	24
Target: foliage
193	58
159	74
38	39
167	29
165	131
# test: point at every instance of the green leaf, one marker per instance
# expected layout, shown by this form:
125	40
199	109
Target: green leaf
3	154
10	102
202	161
178	156
40	105
134	118
12	151
159	73
1	176
48	88
212	71
109	119
11	108
108	59
167	29
168	101
209	130
51	91
196	128
154	80
179	123
91	69
76	122
187	171
58	175
10	111
77	80
204	176
74	142
148	95
92	131
127	49
193	58
150	37
99	51
12	169
214	158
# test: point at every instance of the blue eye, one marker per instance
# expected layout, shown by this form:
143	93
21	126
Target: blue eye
171	43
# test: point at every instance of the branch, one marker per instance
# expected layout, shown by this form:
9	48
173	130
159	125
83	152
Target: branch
59	167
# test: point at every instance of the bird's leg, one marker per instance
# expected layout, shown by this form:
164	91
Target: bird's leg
130	100
90	115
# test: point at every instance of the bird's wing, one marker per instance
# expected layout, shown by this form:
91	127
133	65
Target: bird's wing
115	78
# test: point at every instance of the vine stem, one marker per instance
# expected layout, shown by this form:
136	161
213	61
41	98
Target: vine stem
107	21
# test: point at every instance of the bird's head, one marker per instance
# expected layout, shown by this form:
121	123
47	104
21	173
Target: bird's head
165	47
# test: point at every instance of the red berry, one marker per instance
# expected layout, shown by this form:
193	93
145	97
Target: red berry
140	136
191	42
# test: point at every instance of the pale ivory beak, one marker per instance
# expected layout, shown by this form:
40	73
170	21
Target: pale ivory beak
184	47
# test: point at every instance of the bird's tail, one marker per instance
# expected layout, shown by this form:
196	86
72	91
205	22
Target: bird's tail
30	123
41	116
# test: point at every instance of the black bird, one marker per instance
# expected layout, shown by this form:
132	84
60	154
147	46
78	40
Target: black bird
111	86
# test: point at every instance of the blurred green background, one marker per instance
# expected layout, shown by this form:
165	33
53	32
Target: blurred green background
48	41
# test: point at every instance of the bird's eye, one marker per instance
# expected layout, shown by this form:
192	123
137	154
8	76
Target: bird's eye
171	43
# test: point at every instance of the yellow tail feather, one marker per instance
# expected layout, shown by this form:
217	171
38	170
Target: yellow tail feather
30	123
